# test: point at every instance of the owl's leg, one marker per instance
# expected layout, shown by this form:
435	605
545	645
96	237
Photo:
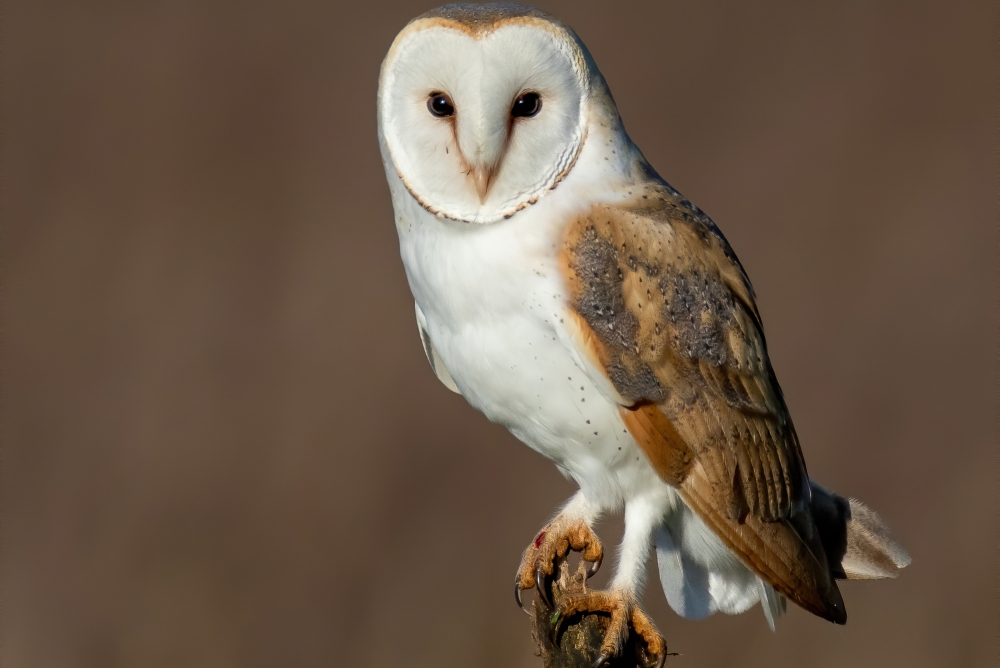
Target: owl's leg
621	600
570	530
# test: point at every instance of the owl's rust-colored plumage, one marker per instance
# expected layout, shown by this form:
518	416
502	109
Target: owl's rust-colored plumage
665	311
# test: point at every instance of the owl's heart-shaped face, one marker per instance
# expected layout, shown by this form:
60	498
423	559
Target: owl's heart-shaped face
479	125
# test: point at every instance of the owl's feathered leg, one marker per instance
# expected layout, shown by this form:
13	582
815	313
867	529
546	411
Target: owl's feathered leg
621	600
570	530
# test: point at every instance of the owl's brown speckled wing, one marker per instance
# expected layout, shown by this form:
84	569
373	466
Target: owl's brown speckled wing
663	310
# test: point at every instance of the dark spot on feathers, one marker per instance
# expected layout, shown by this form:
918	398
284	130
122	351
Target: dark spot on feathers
699	308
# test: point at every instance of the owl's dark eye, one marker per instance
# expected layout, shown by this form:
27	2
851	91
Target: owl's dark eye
440	105
526	106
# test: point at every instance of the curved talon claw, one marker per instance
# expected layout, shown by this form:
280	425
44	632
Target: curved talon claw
655	659
542	558
596	566
557	624
602	659
517	597
543	590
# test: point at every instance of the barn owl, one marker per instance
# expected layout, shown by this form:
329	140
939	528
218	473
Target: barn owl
568	292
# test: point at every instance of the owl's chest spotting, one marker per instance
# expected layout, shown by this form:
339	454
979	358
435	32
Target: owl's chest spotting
492	298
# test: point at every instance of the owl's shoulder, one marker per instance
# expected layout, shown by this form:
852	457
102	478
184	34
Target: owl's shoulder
652	287
654	231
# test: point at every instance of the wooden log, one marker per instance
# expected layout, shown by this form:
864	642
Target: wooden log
579	641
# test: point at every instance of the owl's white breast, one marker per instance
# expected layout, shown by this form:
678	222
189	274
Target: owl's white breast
492	297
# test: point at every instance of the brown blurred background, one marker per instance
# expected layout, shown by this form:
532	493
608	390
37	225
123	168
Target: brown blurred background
223	445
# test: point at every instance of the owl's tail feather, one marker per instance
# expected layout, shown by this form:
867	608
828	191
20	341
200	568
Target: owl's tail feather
858	544
701	576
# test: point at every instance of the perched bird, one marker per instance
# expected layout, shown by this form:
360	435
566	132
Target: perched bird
572	295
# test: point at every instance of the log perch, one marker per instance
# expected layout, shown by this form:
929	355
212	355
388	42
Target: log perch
580	636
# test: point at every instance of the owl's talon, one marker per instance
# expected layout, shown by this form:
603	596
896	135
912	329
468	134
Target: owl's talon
650	660
596	566
602	659
517	597
553	543
557	625
543	588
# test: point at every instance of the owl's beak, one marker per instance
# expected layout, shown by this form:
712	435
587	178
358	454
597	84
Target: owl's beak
482	133
482	177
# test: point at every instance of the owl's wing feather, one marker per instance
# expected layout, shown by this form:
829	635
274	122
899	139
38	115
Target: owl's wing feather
661	307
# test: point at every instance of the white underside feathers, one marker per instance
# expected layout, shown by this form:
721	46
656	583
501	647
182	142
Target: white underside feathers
701	576
437	364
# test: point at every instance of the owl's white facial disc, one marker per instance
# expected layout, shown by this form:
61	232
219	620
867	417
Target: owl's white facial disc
455	114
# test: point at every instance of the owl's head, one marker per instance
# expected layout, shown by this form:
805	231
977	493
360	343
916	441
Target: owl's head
482	108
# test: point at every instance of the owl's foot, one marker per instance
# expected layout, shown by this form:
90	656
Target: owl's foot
624	612
550	545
